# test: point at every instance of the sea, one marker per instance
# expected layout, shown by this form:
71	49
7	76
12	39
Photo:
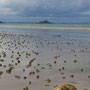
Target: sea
73	30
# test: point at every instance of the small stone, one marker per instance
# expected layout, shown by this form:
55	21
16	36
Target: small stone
75	61
72	76
18	77
25	88
30	82
25	78
1	72
89	76
37	76
48	80
81	70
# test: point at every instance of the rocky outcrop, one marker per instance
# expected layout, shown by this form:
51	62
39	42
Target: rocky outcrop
44	22
1	22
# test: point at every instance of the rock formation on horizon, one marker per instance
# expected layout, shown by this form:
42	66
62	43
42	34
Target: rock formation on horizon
44	22
1	22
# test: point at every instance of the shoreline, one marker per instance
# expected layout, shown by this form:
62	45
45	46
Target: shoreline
47	27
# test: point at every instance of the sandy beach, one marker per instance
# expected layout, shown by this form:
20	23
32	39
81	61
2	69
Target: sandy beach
41	59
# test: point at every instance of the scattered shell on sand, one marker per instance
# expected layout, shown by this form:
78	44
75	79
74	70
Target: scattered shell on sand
25	78
68	43
72	76
25	88
65	61
9	70
63	77
23	70
59	69
4	54
1	60
81	70
16	57
37	77
48	80
37	70
62	73
55	62
62	68
35	52
30	82
1	72
0	65
4	66
75	61
89	76
18	77
31	73
85	89
42	67
38	64
30	63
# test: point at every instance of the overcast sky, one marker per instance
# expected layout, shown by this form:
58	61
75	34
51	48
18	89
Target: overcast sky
52	10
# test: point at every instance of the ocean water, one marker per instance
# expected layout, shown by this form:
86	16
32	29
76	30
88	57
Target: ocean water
76	33
47	25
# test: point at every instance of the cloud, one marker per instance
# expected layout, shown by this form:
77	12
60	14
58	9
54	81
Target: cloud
7	11
45	8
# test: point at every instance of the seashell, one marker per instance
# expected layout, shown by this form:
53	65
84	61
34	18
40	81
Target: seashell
64	87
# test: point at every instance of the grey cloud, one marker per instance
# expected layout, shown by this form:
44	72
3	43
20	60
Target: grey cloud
45	8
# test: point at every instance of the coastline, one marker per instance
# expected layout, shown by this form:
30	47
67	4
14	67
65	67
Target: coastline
47	27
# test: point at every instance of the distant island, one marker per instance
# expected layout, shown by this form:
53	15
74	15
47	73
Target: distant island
1	22
44	22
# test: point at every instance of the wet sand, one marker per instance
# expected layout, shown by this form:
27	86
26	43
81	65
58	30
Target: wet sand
35	61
